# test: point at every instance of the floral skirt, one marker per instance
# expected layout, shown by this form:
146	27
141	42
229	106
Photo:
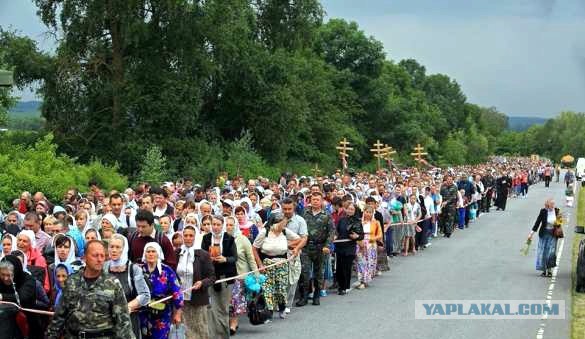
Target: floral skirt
238	303
547	248
367	260
275	289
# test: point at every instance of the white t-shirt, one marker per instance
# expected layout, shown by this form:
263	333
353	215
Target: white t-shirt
273	245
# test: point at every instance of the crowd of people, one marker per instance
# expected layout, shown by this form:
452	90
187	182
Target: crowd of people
150	261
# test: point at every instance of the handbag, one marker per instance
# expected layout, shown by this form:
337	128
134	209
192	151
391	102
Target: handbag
22	323
558	232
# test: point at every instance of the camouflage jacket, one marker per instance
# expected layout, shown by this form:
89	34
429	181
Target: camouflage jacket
449	194
84	306
319	229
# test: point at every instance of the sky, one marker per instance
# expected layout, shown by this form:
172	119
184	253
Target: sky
524	57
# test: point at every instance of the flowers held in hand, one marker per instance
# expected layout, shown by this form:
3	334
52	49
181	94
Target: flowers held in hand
526	247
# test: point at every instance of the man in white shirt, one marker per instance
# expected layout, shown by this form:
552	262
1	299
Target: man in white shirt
297	224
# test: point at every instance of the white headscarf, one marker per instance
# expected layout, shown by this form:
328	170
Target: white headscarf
112	219
31	236
123	260
72	248
159	251
87	229
218	235
185	264
13	246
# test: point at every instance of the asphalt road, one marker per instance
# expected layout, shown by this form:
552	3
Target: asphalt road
482	262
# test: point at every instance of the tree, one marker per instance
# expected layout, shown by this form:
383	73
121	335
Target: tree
153	169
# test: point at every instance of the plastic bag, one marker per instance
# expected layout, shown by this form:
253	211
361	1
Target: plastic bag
177	331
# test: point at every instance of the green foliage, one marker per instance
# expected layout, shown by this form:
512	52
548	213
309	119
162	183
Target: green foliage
190	76
153	168
40	168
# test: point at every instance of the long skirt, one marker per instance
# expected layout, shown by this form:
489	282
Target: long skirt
238	303
275	289
367	258
547	248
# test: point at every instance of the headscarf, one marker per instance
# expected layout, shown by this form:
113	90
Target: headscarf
24	259
159	251
13	246
87	229
123	260
218	235
19	274
112	220
71	256
56	286
31	236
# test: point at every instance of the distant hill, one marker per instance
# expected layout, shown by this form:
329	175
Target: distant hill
24	109
523	123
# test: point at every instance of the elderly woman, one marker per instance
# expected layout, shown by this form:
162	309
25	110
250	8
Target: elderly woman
271	247
195	269
156	323
18	287
222	248
246	263
548	218
109	225
35	261
131	278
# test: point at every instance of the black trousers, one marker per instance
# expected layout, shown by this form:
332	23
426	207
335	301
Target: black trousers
344	265
546	180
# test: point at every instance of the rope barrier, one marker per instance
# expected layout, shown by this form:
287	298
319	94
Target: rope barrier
30	310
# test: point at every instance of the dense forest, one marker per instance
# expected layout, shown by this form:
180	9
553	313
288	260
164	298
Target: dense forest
247	86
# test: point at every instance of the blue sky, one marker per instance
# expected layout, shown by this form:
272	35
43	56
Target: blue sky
525	57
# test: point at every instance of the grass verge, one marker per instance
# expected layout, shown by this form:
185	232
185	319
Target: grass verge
578	299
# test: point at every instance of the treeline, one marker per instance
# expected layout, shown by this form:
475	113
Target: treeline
557	137
193	77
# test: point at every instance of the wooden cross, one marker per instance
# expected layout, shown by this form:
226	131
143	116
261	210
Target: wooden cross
378	151
388	154
418	153
343	149
316	171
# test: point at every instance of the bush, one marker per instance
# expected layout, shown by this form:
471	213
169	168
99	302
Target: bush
40	168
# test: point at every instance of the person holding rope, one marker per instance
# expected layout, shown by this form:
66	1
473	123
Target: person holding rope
92	304
271	247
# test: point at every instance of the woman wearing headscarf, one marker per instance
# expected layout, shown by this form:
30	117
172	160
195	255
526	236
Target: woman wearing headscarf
131	278
246	227
109	226
8	244
35	261
271	247
245	263
65	248
61	273
90	234
548	217
222	249
156	323
18	287
195	269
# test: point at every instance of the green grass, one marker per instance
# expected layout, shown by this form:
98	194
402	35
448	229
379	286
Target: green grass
578	299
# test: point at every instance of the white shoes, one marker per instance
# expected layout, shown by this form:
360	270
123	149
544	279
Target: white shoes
287	310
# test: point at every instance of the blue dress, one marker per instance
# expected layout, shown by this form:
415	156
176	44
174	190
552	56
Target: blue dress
156	324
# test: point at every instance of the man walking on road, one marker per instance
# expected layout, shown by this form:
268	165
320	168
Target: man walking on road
93	304
320	233
449	205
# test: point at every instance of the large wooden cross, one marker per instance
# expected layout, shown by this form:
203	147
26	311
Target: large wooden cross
388	154
343	149
378	151
418	153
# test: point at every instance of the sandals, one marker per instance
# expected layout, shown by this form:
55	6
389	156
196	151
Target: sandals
549	274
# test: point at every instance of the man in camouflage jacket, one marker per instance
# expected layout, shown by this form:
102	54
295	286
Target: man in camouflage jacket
92	303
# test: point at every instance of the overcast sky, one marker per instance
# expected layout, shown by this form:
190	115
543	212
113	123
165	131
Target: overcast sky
525	57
